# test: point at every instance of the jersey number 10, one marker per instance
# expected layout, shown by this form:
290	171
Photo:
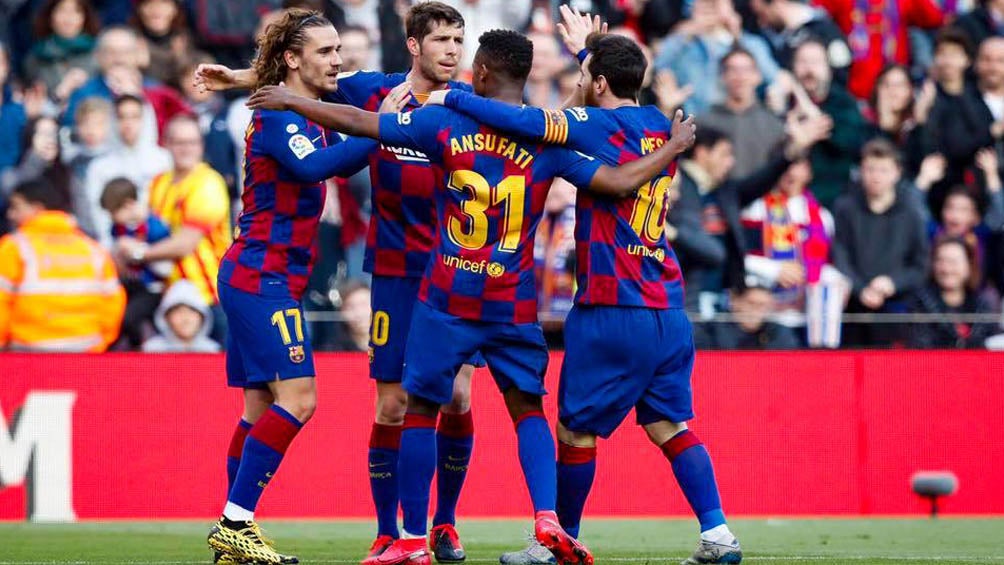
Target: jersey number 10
471	232
649	215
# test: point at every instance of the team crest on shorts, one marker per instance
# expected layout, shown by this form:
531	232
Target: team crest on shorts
296	354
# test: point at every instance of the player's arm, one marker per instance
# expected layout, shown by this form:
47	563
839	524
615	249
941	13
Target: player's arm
625	179
297	152
220	77
339	117
548	126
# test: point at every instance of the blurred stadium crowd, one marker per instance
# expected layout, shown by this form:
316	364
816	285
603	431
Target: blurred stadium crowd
889	234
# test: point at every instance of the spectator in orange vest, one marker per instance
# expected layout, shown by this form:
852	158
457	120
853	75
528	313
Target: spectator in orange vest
59	290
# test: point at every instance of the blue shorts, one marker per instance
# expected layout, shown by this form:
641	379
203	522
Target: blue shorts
617	359
265	339
440	343
392	301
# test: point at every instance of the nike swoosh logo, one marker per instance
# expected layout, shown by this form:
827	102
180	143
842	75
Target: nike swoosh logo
376	465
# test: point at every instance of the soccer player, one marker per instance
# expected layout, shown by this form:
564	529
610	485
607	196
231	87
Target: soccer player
479	291
629	285
263	274
401	235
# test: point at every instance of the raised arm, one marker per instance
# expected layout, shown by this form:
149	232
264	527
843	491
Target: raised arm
622	181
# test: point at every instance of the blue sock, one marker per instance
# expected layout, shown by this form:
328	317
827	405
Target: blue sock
416	465
696	477
385	442
576	469
235	451
263	451
536	456
454	442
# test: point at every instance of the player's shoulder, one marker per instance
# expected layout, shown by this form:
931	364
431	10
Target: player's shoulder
362	79
461	86
266	121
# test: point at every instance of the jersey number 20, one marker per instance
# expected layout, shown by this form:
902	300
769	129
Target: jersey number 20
471	232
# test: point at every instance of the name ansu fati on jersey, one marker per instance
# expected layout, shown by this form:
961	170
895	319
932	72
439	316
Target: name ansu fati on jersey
491	143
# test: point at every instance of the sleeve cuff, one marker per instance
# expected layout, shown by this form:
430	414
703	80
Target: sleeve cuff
582	54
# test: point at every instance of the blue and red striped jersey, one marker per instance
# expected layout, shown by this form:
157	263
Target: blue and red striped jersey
489	201
402	226
286	161
622	255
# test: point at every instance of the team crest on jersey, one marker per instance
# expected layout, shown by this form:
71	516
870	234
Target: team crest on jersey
495	270
301	146
291	128
296	354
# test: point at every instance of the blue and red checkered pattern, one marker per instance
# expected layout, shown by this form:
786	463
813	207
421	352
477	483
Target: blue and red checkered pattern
275	242
489	202
622	255
402	227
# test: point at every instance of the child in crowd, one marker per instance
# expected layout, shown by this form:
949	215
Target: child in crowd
184	321
145	282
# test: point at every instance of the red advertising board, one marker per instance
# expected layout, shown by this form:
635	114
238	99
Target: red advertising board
144	436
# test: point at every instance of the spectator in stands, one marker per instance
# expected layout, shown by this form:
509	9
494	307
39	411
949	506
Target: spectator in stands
956	100
751	329
90	140
794	22
144	284
183	321
897	115
212	111
985	20
357	50
833	158
40	158
695	48
119	56
877	34
880	244
756	133
192	199
12	117
354	329
163	26
58	288
788	236
62	57
226	28
137	159
548	61
707	193
952	290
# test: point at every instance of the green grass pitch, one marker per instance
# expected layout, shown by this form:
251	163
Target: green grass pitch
786	541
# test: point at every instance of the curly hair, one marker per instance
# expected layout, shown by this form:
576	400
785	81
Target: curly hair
506	52
288	33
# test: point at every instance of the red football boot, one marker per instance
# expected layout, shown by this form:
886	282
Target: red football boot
566	549
403	552
380	545
446	546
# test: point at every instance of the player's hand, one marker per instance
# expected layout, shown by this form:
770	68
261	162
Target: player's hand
215	78
437	98
396	99
575	27
792	274
684	132
271	98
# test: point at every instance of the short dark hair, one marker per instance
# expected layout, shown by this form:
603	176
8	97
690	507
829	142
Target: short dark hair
707	138
125	99
736	51
40	191
418	23
880	149
620	61
117	193
506	52
952	35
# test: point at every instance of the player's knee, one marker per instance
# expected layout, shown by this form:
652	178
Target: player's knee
461	401
391	405
521	403
422	407
662	431
575	439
